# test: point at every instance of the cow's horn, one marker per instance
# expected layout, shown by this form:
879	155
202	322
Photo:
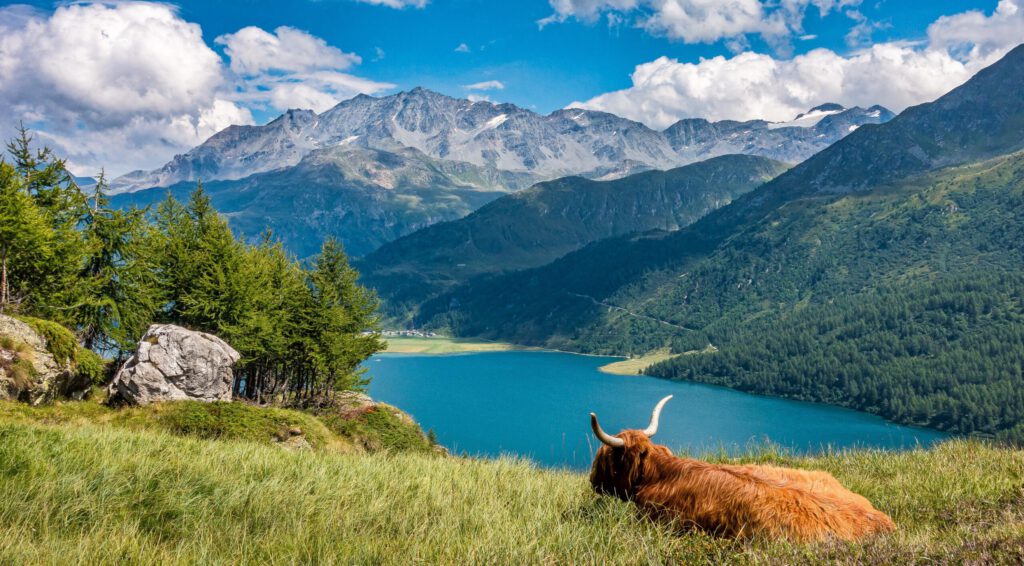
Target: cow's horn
653	427
604	437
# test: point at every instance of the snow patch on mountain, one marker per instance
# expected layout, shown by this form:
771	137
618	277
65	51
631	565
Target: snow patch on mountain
501	137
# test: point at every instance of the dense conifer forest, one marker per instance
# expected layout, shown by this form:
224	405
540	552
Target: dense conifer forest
106	274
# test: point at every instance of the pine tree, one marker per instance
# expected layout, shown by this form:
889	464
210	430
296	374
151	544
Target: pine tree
215	297
346	319
119	285
25	238
63	205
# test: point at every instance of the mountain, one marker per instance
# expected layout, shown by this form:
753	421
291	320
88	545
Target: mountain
540	224
884	273
501	136
365	197
792	142
382	157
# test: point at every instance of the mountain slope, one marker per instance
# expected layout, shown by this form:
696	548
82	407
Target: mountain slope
912	209
540	224
502	136
363	197
393	164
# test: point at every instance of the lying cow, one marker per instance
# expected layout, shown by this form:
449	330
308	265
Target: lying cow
730	501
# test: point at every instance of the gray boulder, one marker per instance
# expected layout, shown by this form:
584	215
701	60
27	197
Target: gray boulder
176	364
28	371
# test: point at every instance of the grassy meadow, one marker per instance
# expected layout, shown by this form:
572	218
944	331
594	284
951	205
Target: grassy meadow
637	365
90	490
443	345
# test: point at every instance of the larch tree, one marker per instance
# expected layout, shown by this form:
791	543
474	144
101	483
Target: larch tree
25	237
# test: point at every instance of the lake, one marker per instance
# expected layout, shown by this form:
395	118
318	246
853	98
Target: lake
537	405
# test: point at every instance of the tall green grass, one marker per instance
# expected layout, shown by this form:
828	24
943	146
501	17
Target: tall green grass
94	494
369	430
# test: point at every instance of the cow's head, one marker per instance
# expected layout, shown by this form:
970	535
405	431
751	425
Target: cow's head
621	464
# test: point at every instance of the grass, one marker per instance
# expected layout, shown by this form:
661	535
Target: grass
442	345
379	428
93	494
16	363
637	365
365	430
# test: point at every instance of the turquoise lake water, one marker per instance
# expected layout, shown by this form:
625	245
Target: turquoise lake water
537	405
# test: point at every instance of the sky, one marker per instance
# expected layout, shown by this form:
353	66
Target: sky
127	85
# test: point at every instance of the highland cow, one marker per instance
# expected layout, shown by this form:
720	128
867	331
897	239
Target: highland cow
729	501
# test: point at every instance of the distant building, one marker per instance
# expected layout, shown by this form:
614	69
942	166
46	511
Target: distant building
411	333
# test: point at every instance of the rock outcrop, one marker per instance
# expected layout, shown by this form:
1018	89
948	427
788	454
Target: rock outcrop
28	371
176	364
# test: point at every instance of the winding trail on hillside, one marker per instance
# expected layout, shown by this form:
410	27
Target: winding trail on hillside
631	313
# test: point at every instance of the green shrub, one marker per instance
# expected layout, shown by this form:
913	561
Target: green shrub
64	348
60	342
379	428
91	366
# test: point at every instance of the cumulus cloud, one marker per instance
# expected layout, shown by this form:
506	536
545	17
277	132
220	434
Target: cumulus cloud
293	69
253	51
485	85
462	48
127	85
118	85
317	91
700	21
397	3
973	36
758	86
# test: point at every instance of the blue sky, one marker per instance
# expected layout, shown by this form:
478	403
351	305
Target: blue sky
543	69
688	60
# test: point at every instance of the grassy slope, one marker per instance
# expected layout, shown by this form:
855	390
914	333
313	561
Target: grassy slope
353	431
636	365
92	494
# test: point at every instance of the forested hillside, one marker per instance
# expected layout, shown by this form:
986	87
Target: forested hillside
362	197
540	224
921	218
105	274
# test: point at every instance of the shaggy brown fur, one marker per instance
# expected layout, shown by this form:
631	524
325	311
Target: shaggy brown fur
733	501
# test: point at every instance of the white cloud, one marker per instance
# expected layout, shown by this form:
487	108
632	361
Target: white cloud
973	36
293	69
319	90
462	48
397	3
253	51
752	86
478	98
700	21
485	85
127	85
120	85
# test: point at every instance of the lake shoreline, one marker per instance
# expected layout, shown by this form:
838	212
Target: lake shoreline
622	366
442	345
548	397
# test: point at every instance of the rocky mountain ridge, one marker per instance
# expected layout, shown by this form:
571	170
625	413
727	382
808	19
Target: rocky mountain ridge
498	137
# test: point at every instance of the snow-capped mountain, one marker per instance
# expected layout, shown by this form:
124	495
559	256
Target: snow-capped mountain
500	137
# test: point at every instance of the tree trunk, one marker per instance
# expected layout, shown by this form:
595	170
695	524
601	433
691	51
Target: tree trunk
3	281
